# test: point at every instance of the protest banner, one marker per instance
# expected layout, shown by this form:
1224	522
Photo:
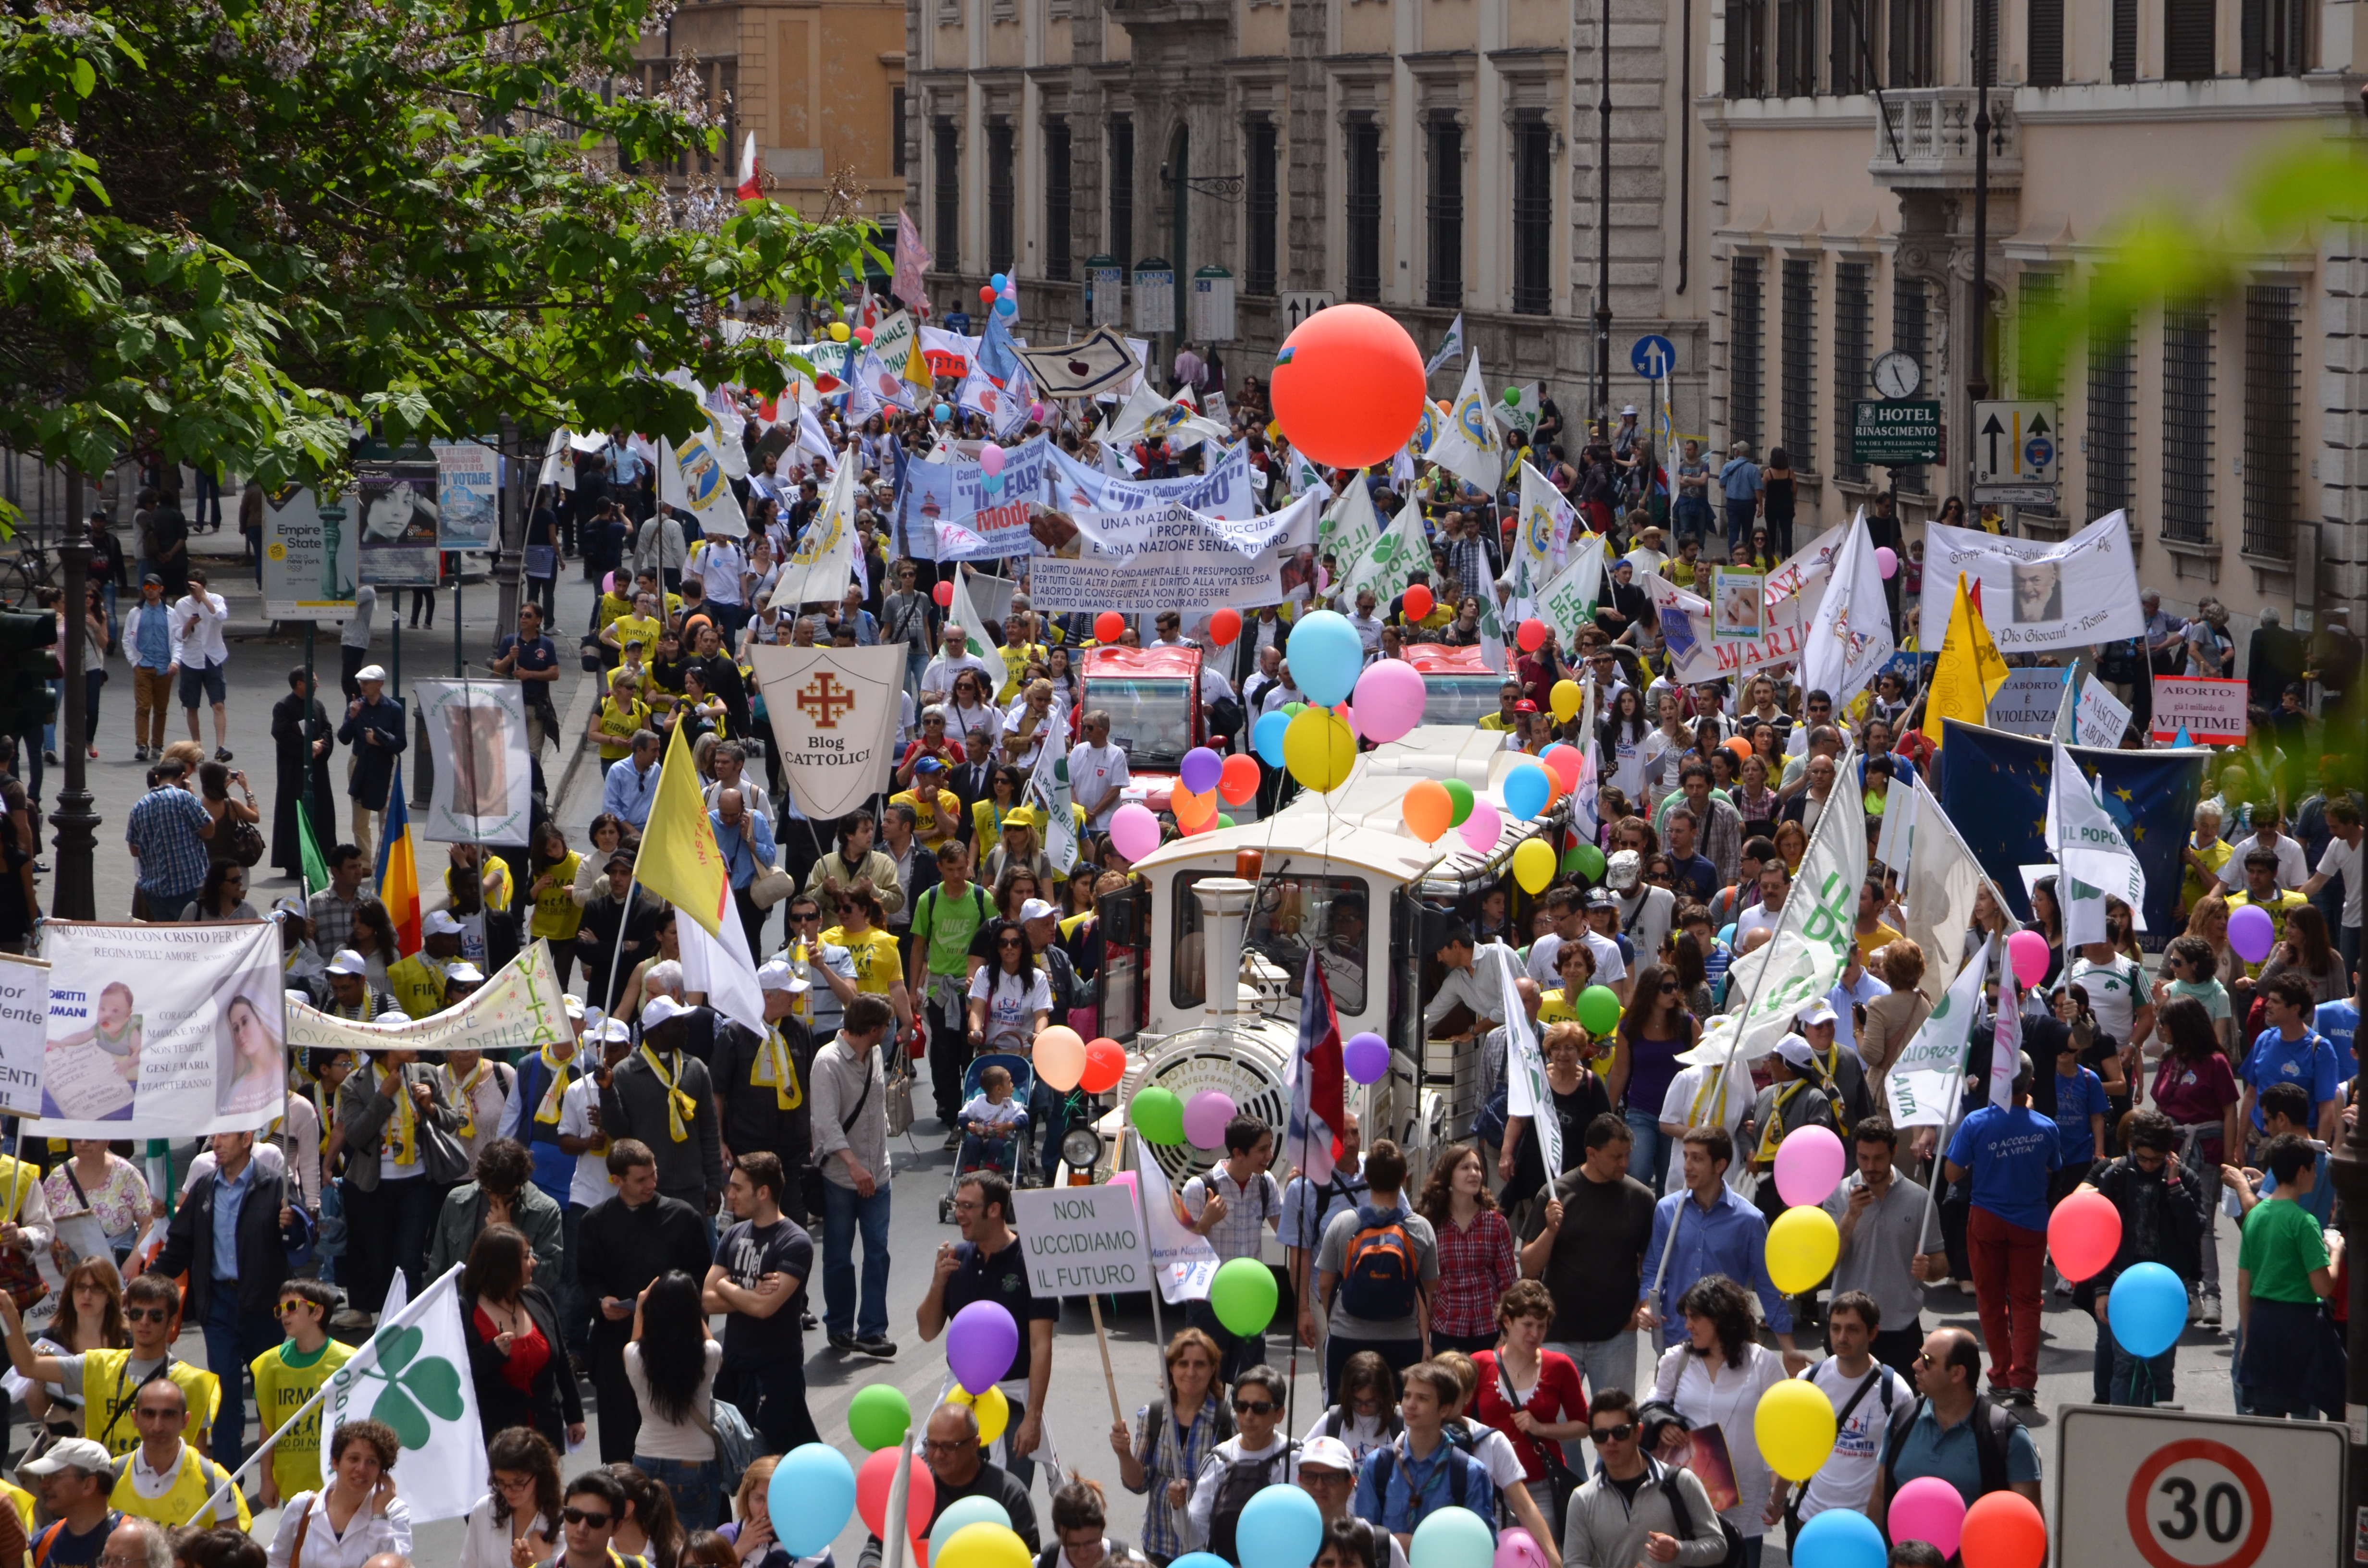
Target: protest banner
24	1029
1696	651
1815	933
468	493
1083	1240
482	788
1143	562
1922	1083
311	557
2211	708
1567	601
2102	719
1224	491
518	1009
2026	703
2038	596
833	714
166	1030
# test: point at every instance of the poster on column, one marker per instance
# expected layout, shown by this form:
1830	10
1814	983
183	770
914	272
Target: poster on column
484	787
398	522
2036	595
310	560
164	1031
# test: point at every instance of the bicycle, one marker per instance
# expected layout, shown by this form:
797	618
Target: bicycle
24	573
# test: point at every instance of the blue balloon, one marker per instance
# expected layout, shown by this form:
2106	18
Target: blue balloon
2147	1310
1007	306
1280	1527
811	1496
943	413
999	282
1843	1538
1326	655
1266	739
1200	1560
1525	789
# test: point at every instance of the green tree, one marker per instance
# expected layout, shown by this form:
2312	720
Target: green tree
234	228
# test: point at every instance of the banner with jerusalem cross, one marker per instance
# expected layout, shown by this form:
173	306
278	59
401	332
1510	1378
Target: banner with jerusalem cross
834	713
413	1375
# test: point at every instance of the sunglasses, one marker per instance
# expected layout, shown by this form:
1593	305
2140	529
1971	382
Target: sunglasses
1010	942
1668	988
1255	1407
587	1517
291	1304
148	1314
1620	1433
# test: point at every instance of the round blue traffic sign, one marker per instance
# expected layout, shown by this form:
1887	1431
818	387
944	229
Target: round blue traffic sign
2038	452
1654	355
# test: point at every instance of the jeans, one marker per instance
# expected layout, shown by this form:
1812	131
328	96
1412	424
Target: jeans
568	1299
1742	517
1649	1148
233	1339
2007	1265
842	1212
2125	1378
1605	1364
696	1500
772	1395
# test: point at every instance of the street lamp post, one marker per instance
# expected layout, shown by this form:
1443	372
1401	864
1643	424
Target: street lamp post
1977	384
74	895
1603	226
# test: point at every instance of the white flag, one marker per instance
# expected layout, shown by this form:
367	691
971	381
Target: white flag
1923	1083
2066	699
413	1374
558	463
820	568
1349	527
814	440
2005	1053
1568	599
1184	1261
1816	930
721	966
1467	445
1526	1091
964	612
1943	880
1388	565
693	477
1547	518
2094	858
1451	348
1849	635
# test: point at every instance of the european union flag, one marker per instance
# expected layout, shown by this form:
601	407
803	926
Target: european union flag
1994	787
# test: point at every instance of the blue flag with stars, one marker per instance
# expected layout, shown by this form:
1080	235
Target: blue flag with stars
1994	787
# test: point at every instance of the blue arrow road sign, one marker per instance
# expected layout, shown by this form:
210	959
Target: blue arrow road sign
1654	355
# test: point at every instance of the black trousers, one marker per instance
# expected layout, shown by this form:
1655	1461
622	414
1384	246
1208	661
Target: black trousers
772	1395
388	1225
621	1413
949	1056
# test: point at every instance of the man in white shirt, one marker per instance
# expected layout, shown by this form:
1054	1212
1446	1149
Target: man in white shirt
1645	912
1775	881
1868	1398
2293	868
1281	693
1368	624
201	656
2342	857
1267	676
720	564
1473	979
1569	909
938	677
1098	772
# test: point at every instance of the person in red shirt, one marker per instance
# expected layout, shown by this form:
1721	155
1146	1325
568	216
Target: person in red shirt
1530	1394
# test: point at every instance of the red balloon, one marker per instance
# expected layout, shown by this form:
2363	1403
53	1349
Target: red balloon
2083	1234
1224	626
985	296
1105	1065
1347	387
1532	634
863	335
1109	626
944	594
1239	779
878	1472
2003	1530
1562	762
1419	601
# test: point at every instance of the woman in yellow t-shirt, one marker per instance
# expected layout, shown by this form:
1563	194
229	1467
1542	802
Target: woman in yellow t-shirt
1004	786
1575	963
642	626
878	968
557	916
620	713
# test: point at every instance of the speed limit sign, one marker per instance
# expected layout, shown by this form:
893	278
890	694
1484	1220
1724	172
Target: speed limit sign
2158	1489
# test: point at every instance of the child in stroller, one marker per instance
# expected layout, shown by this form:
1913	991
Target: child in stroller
994	1123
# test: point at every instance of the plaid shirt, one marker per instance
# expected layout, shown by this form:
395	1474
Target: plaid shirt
163	831
1178	1455
1246	1213
1475	1267
1467	559
333	921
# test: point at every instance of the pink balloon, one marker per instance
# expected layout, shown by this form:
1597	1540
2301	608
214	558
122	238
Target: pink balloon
1516	1550
1388	699
1885	560
1482	828
1134	830
2027	951
1205	1115
1809	1164
1124	1179
2252	933
1928	1509
991	459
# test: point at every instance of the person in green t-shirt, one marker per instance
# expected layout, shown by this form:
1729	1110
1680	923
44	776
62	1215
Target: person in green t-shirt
2285	1269
286	1378
945	919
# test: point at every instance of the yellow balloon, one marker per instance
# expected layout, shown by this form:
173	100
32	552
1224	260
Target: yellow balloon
1533	865
838	333
1802	1247
1319	749
1794	1426
993	1412
989	1545
1564	697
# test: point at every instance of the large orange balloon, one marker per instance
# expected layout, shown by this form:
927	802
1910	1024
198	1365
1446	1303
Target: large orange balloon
1429	809
1192	806
1240	781
1347	387
2003	1530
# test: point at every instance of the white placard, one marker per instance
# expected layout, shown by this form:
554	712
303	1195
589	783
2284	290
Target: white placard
2100	718
1081	1241
483	783
833	714
2211	708
2038	596
24	1024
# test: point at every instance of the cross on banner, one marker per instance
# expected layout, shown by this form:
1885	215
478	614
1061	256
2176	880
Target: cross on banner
822	699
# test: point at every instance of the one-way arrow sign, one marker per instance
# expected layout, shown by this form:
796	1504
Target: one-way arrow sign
2017	446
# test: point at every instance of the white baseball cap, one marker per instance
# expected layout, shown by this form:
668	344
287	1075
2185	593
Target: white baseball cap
774	976
73	1453
1327	1453
1816	1011
1795	1049
1620	871
348	961
661	1009
464	972
571	1004
1036	909
614	1028
440	923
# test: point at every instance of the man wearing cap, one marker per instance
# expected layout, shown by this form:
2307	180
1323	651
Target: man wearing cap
1328	1473
343	990
374	728
74	1479
147	639
1646	913
1794	1100
631	783
201	656
663	1097
761	1097
419	982
167	832
936	810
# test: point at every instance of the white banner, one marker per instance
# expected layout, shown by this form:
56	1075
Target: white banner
165	1030
1849	635
1922	1080
1527	1093
518	1009
1389	563
483	780
1182	1258
2102	719
2036	595
1224	491
2027	703
694	475
1347	527
1568	600
1467	444
1816	931
822	565
833	714
24	1031
1146	562
413	1374
1696	653
1080	1241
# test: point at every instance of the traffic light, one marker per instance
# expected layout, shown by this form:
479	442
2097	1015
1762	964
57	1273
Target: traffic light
28	662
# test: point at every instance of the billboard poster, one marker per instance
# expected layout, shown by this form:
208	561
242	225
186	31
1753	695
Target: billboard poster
398	512
468	496
310	558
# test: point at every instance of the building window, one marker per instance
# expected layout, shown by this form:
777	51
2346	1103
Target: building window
1911	333
1444	215
1001	198
1364	191
2187	420
1746	49
1798	427
1913	23
2041	293
2276	37
1796	49
948	190
2112	415
2272	419
1533	217
1746	318
1853	335
1056	199
1852	66
2186	39
1263	200
1121	191
1985	16
897	130
2044	42
2125	63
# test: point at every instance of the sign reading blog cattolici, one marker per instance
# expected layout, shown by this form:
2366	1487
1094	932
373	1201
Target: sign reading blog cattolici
833	714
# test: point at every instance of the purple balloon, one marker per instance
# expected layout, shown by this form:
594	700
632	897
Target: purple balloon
1366	1057
980	1345
2252	932
1201	769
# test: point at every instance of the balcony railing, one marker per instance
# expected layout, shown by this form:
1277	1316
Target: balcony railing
1925	138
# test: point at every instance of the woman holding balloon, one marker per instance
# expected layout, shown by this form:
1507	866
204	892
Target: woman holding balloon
1173	1437
1715	1377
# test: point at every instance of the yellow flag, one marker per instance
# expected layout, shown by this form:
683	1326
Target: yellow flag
1967	676
678	859
916	364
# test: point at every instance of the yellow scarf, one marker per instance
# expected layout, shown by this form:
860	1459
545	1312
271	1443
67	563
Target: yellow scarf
407	1122
773	1068
1830	1066
681	1108
1712	1092
1774	1134
548	1111
464	1093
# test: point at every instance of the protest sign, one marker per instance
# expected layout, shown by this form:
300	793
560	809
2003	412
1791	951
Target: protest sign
311	557
166	1030
1081	1241
2036	595
1922	1083
483	785
518	1009
2102	719
1695	648
2211	708
1143	562
1814	934
2026	703
24	1026
468	494
1223	491
833	714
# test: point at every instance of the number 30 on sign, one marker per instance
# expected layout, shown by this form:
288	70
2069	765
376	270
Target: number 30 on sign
2199	1503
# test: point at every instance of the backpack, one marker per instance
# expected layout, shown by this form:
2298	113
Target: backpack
1992	1428
1683	1518
1468	1485
928	904
1380	1273
1243	1480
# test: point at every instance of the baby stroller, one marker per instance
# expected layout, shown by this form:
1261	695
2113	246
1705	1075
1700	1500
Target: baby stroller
1010	1157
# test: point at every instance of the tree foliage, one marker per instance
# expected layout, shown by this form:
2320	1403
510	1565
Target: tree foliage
231	229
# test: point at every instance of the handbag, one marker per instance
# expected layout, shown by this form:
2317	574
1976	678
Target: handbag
770	886
246	843
899	1093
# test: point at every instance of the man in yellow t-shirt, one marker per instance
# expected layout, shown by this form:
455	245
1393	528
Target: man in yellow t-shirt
287	1377
937	813
417	982
1503	720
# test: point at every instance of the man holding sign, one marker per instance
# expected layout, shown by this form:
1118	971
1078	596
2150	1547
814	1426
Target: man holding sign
987	1265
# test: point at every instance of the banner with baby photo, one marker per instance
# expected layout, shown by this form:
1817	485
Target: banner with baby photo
520	1008
484	780
164	1030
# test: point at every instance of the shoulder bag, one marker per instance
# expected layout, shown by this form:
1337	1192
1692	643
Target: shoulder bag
811	1177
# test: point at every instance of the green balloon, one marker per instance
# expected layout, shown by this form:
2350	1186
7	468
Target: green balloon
1158	1115
1295	708
1224	821
1243	1295
1513	397
1460	794
1598	1009
879	1415
1588	862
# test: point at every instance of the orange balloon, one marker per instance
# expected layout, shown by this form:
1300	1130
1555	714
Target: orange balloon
1192	806
1347	387
2003	1530
1739	746
1429	809
1418	602
1240	781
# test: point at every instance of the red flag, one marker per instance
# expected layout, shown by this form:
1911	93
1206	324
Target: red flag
751	187
1319	1106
